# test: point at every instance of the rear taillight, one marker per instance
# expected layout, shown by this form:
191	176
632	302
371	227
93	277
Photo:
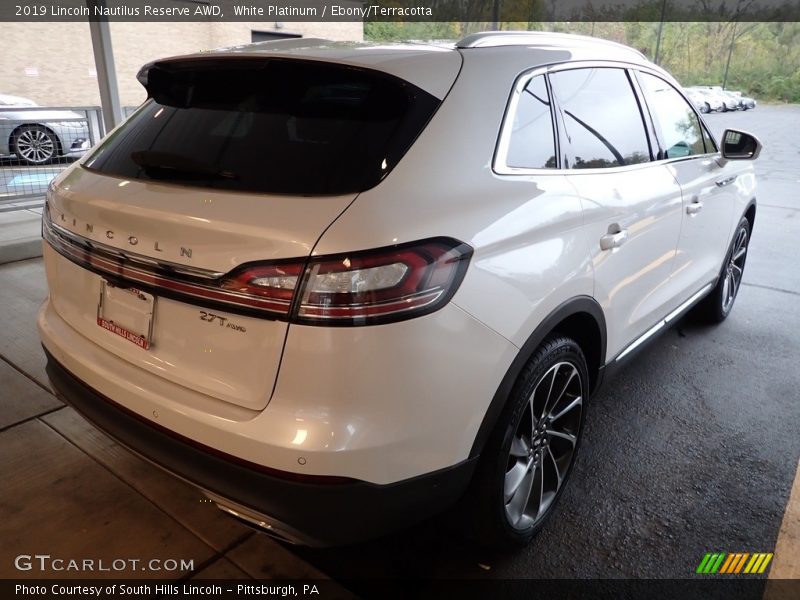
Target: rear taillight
358	288
383	285
272	284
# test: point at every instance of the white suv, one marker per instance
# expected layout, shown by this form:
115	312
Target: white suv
338	287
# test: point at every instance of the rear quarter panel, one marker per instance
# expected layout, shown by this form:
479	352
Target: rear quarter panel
529	251
526	230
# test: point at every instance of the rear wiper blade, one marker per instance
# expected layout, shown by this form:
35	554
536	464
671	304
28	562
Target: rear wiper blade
166	164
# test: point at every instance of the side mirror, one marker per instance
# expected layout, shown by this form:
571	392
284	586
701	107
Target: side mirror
738	145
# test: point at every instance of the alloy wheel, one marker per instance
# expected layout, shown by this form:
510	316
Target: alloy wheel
543	445
734	270
35	146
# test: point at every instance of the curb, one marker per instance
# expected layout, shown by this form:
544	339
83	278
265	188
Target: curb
20	249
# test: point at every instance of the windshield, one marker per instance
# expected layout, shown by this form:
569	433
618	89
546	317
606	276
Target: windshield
267	125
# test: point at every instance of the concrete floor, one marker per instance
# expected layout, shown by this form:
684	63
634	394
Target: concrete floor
69	491
20	230
692	448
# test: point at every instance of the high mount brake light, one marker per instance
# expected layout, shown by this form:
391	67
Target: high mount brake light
359	288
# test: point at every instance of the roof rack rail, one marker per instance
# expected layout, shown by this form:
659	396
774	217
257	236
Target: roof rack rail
488	39
299	42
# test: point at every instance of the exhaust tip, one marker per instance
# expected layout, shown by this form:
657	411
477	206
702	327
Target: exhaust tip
254	524
262	523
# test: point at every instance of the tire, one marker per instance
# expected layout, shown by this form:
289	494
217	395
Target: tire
716	307
35	145
538	455
706	108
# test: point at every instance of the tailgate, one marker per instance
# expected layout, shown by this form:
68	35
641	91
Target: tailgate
224	354
175	243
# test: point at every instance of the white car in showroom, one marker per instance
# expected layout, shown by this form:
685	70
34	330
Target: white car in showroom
341	287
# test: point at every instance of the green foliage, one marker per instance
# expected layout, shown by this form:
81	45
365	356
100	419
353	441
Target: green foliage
764	63
390	32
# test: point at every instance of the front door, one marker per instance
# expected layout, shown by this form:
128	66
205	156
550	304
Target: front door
707	187
631	204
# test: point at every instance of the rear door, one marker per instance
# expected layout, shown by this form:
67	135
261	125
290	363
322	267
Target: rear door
631	205
708	188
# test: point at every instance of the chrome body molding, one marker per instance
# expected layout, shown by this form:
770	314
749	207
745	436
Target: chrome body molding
664	322
50	229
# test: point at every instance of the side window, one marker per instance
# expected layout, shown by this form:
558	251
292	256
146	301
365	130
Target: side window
604	126
532	143
708	141
678	126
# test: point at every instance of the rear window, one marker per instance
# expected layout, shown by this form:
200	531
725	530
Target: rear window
267	125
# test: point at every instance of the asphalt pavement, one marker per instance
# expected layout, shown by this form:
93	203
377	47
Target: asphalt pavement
692	448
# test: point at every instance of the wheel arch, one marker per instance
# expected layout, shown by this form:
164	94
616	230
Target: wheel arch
750	213
580	318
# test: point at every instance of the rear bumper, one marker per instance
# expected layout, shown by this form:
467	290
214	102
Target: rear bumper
316	514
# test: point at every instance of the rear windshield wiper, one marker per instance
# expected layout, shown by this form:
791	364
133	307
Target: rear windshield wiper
166	165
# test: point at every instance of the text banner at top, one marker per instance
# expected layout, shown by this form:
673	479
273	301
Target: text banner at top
502	11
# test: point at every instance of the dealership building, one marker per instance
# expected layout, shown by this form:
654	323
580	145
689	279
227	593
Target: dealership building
53	64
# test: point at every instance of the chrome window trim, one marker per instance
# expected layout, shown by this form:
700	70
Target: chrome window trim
500	161
701	122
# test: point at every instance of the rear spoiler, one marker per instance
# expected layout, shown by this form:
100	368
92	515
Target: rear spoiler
188	61
171	81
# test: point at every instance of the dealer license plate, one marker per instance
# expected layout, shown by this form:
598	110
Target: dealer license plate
127	312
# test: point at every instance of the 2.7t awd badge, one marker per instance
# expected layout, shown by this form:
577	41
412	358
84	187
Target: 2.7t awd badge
223	321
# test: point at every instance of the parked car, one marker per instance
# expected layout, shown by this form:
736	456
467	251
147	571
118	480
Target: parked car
700	101
729	101
38	137
745	103
708	98
732	101
340	291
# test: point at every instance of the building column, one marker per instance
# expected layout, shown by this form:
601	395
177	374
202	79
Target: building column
104	64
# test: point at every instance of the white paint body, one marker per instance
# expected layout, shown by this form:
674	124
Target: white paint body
385	403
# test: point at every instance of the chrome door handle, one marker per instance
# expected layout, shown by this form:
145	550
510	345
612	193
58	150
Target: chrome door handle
726	181
613	240
695	207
